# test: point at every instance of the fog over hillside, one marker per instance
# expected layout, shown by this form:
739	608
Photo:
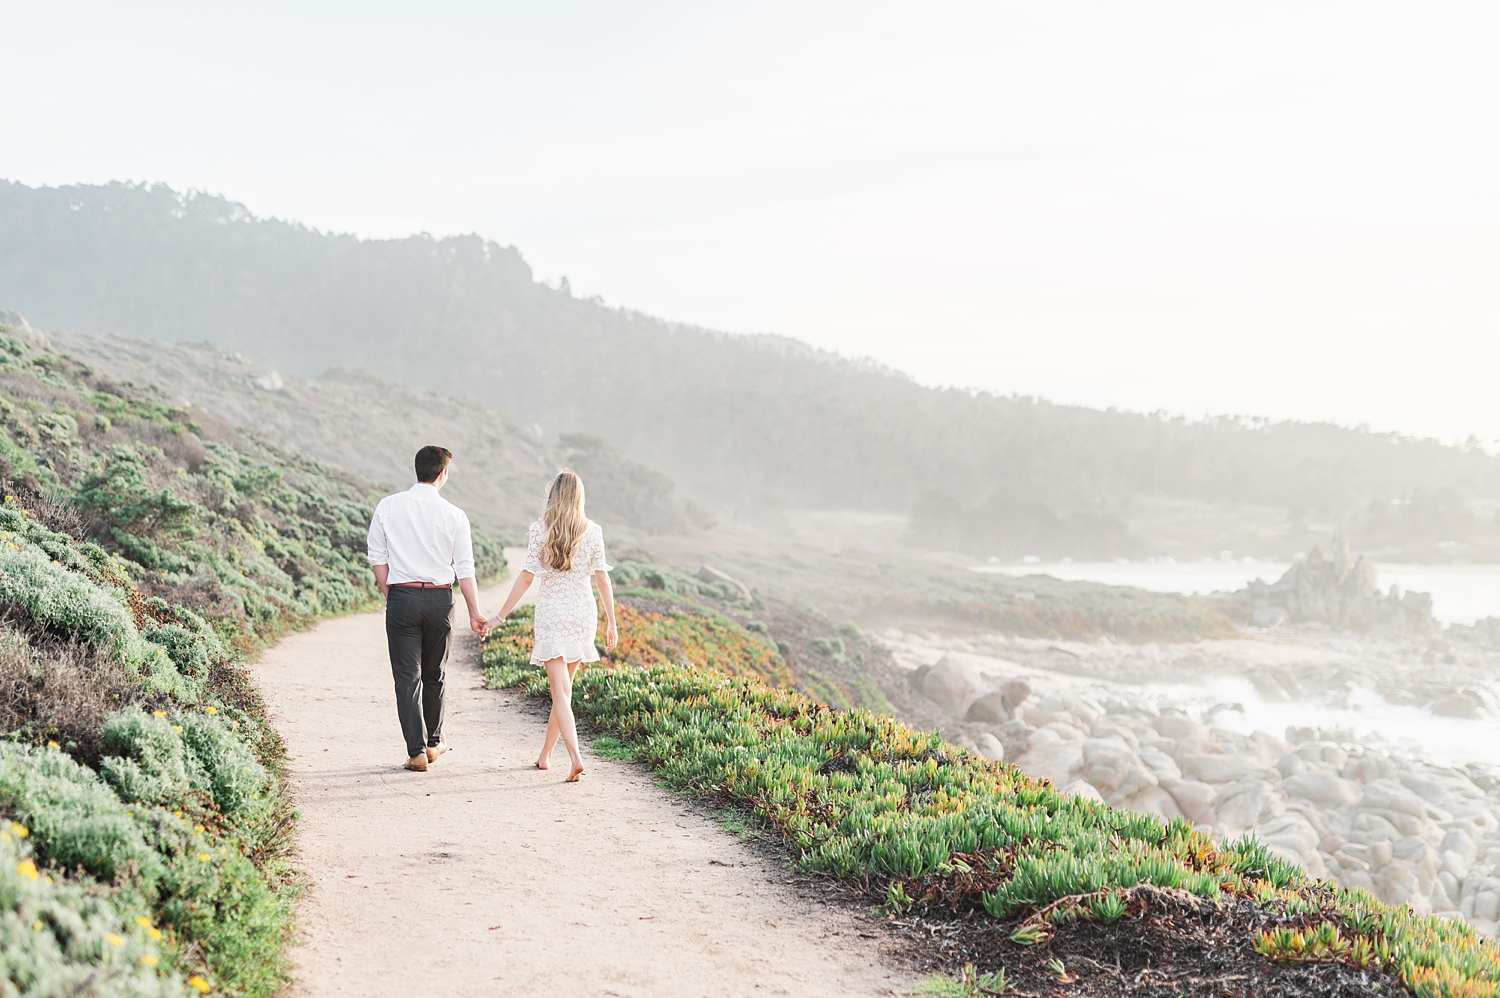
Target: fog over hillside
742	422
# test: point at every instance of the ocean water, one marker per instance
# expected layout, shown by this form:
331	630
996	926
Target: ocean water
1461	594
1235	705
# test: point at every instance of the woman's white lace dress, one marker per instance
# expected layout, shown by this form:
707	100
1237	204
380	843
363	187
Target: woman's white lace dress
567	618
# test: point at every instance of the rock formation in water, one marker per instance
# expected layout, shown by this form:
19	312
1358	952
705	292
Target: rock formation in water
1331	586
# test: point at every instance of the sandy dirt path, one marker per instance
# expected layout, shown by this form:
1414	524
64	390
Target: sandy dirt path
485	876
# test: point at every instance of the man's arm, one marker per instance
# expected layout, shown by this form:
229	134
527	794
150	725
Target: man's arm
463	568
375	547
477	621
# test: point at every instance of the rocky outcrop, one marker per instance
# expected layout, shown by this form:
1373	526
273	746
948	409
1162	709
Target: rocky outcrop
1362	807
15	324
1331	586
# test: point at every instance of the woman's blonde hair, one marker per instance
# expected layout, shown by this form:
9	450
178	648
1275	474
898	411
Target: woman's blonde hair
563	520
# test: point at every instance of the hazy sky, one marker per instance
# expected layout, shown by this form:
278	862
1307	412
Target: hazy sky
1280	208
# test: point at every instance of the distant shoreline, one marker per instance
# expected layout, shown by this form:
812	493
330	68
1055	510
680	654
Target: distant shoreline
1461	594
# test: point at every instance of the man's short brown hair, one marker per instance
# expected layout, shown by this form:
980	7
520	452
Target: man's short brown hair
432	461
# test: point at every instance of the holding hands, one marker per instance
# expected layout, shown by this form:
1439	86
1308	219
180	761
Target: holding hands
492	623
481	625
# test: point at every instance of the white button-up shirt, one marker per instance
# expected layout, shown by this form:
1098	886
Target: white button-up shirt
422	537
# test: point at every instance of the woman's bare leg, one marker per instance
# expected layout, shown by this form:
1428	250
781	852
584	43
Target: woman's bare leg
560	677
544	761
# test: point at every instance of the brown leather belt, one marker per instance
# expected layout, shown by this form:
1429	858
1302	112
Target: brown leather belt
419	585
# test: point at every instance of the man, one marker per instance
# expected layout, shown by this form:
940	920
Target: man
419	545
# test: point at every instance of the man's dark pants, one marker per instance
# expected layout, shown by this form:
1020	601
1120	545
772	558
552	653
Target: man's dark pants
418	625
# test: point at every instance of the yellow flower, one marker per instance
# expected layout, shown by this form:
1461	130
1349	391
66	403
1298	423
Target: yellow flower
20	830
158	713
177	728
149	960
210	710
27	869
197	982
114	940
52	744
197	828
177	813
36	926
154	933
204	857
143	921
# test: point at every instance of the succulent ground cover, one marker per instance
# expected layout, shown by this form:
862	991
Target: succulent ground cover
1000	873
145	550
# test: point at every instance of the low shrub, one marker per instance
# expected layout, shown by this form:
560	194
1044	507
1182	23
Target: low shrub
62	938
230	772
652	579
144	758
76	820
58	690
61	600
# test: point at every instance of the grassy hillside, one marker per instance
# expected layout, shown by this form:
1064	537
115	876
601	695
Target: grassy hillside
145	550
373	427
1043	892
743	421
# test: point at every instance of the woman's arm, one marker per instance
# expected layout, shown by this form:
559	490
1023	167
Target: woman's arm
607	593
522	583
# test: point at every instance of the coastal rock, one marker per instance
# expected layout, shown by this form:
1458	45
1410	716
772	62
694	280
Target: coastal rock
990	747
1162	766
951	682
1331	586
1323	752
1391	796
1114	770
1179	726
1322	788
1224	768
1153	800
1472	703
1290	765
1195	799
988	709
1013	694
1370	767
1016	737
1060	762
1242	805
1082	788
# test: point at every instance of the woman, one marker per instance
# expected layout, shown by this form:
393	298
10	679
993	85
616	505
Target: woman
562	548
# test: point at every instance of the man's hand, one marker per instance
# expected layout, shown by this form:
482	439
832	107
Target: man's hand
381	573
479	624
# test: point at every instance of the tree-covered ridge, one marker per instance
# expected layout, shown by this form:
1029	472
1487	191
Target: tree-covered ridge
144	550
734	419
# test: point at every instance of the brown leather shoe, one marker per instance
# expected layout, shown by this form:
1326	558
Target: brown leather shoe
417	763
433	751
